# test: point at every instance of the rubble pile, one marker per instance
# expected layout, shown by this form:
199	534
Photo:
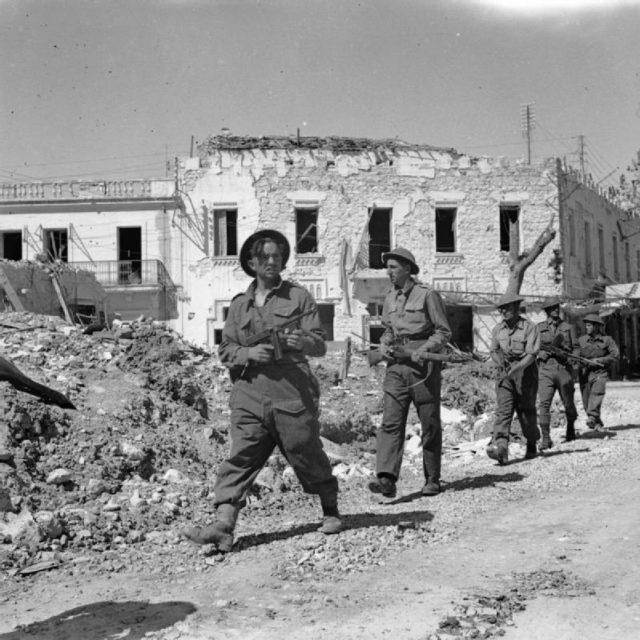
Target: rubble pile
137	460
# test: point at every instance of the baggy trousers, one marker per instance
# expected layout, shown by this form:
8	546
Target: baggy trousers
404	384
593	386
517	394
554	376
275	406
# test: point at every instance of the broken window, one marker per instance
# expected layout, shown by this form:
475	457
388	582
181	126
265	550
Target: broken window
446	229
509	232
12	245
307	230
588	266
56	244
225	232
379	235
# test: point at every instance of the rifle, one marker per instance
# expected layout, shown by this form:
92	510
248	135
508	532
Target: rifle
567	355
272	334
403	352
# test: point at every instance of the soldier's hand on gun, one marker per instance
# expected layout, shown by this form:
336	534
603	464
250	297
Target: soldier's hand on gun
401	355
261	353
294	340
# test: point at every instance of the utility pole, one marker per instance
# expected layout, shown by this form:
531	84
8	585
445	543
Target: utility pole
581	156
527	121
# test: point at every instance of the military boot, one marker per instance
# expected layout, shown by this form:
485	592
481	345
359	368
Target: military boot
331	523
571	431
545	442
499	451
532	450
220	533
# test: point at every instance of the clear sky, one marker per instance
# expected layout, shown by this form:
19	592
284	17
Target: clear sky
108	88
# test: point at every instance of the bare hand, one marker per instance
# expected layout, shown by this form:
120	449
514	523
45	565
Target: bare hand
294	340
261	353
514	368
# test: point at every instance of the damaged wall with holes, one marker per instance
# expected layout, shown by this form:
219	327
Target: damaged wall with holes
341	202
33	284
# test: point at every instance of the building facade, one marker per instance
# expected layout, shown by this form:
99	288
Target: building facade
170	248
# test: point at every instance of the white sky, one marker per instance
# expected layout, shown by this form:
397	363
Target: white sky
95	89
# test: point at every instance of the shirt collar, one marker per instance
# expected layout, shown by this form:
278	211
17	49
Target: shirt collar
408	285
251	289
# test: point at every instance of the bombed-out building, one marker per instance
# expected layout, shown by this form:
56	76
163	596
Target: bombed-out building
169	248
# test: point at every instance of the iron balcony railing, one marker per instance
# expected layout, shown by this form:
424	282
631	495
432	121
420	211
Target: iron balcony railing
118	273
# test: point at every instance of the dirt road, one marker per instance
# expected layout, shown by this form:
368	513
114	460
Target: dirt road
547	548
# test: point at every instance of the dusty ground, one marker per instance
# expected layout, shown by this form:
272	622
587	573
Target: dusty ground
539	549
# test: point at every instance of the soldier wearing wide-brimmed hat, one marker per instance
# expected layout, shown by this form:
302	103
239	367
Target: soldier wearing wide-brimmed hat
514	346
274	401
555	370
602	350
411	312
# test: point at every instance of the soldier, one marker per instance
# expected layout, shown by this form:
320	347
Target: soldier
273	402
603	351
411	311
555	372
514	346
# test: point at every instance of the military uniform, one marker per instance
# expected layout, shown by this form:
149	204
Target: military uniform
413	312
556	373
516	393
593	380
274	403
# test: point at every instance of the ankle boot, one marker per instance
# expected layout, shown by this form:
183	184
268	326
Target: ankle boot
220	533
531	451
571	431
545	442
331	522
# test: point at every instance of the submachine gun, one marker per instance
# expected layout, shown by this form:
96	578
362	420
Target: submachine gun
273	335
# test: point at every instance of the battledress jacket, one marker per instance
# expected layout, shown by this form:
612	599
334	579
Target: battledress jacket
415	312
245	319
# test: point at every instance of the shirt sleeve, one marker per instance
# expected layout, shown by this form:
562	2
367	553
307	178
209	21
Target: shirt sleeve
532	346
614	352
313	346
388	334
435	310
231	352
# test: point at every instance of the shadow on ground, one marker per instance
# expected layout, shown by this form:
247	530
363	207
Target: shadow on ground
102	620
624	427
349	521
597	434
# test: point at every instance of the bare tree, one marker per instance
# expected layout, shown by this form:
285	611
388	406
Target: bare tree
518	264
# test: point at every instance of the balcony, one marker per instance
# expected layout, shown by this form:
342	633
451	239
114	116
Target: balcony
129	273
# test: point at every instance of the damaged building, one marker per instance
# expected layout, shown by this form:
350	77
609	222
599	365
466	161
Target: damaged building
341	202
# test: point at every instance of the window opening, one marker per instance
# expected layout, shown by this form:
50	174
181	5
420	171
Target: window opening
225	232
306	230
12	245
56	244
129	255
446	229
379	235
509	233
